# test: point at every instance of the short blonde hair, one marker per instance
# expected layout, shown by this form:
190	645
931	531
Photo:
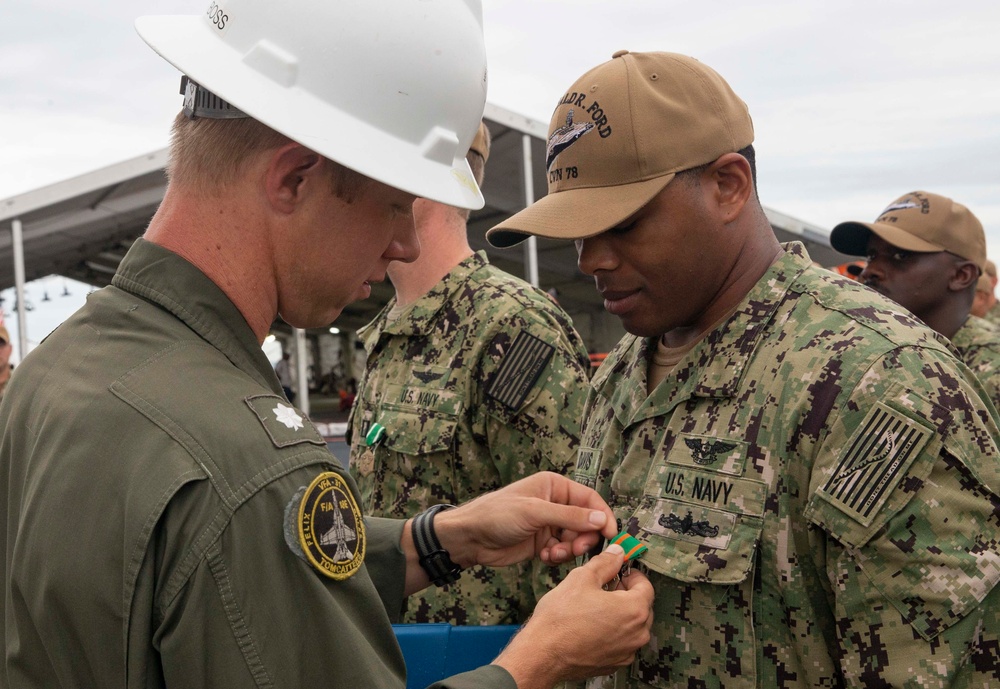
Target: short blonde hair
208	153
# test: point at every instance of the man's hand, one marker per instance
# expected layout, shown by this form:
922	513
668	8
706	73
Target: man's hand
544	515
578	630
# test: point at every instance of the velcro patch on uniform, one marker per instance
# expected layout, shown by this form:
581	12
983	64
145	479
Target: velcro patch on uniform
587	461
331	531
285	425
684	522
877	456
723	455
521	368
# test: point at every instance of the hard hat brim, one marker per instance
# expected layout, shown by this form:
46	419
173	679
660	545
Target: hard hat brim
189	44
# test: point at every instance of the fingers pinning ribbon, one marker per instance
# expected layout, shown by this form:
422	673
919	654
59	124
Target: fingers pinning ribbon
634	549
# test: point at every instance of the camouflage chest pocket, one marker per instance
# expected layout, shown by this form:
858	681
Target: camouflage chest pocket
702	523
422	423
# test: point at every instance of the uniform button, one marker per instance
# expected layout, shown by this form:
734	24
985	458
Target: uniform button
619	53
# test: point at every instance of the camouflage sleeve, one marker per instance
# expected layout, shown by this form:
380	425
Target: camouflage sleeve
985	364
534	386
536	382
906	491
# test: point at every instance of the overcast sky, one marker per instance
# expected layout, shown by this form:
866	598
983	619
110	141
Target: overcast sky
854	102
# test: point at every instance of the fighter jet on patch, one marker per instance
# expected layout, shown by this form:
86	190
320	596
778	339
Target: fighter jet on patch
340	534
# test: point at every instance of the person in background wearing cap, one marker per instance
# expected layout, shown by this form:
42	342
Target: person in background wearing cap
985	303
6	349
814	473
445	379
927	253
169	519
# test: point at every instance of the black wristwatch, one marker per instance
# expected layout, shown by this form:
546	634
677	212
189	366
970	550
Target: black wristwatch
433	558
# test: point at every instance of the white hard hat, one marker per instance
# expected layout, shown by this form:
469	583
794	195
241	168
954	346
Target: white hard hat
394	89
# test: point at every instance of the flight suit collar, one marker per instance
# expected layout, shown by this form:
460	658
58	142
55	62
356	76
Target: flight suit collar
413	321
715	367
171	282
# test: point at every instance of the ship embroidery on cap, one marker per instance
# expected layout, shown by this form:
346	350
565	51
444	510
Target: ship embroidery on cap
565	136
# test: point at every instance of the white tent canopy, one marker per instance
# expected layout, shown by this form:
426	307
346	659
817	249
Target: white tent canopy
81	227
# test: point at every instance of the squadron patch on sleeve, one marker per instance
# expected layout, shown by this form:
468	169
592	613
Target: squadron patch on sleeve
877	455
331	531
521	368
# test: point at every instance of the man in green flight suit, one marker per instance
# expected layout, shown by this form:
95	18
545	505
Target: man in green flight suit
479	379
927	253
814	472
169	519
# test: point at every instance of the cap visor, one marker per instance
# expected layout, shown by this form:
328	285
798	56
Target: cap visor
577	213
851	238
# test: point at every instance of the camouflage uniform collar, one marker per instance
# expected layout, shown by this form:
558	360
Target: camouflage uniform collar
714	367
412	321
175	285
976	332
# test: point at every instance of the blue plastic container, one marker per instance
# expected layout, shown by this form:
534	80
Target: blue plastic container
436	651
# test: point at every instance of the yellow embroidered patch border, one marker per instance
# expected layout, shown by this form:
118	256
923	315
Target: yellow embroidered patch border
331	529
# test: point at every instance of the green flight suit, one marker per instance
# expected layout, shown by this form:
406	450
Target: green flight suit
818	482
978	345
151	470
480	382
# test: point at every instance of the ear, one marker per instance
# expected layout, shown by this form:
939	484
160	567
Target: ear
293	171
964	275
731	184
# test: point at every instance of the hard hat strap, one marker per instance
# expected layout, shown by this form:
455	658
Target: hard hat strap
200	102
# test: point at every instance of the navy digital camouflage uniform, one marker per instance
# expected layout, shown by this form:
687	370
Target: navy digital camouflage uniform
993	315
817	482
149	471
480	382
978	345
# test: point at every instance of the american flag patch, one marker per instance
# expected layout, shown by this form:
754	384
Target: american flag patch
521	368
878	453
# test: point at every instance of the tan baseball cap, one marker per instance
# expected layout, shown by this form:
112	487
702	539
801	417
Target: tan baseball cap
4	335
620	134
918	221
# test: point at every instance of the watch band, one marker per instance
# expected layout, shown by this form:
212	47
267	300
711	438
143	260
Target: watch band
433	558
